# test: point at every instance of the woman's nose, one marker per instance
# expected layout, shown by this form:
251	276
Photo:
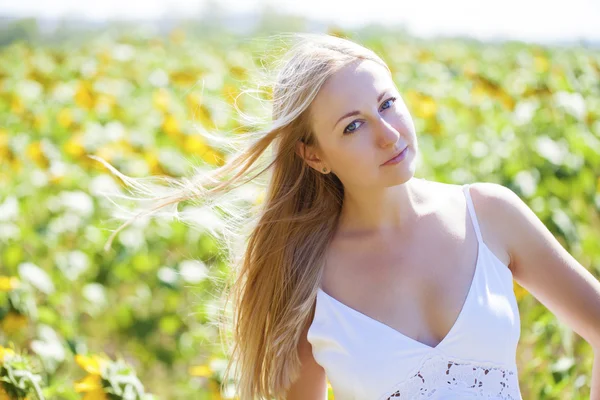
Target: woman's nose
386	133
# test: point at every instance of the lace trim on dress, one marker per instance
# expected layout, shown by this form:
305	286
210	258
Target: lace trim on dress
443	373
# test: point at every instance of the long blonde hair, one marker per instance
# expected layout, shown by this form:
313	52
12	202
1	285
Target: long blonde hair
279	257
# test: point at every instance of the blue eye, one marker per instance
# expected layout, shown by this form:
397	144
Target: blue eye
346	131
390	99
352	130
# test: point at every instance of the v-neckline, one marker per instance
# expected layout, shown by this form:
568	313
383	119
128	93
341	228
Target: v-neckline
480	247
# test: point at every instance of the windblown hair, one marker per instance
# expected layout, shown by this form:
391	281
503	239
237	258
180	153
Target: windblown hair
278	261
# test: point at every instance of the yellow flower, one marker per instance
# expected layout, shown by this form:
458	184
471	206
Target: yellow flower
194	144
541	63
65	118
153	163
88	384
213	157
74	147
34	152
15	165
171	126
39	122
91	385
193	101
17	106
184	77
215	390
5	353
519	290
3	138
329	391
230	93
204	115
238	72
161	99
92	365
83	96
13	322
200	370
507	100
8	283
478	92
422	105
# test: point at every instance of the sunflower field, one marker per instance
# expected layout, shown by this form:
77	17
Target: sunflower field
138	321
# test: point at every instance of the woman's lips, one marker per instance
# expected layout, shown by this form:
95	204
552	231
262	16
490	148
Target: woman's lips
398	158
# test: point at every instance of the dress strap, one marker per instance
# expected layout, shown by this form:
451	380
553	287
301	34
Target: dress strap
471	209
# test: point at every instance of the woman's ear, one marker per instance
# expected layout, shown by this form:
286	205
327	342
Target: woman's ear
309	155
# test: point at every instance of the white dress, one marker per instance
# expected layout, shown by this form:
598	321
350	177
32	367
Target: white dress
365	359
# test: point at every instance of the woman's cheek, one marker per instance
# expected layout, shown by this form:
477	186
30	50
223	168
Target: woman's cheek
362	164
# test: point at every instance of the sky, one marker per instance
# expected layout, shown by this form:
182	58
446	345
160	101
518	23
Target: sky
529	20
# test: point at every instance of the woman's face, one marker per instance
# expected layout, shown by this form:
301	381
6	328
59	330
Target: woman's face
360	122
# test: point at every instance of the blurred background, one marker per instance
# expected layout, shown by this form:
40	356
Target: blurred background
505	92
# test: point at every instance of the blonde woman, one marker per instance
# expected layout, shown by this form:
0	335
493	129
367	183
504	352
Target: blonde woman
358	272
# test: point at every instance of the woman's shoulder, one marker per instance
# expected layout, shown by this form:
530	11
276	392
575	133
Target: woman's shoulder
484	196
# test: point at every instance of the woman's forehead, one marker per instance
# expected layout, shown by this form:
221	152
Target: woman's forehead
364	75
352	88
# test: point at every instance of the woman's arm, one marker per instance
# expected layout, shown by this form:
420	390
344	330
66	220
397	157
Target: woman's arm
312	382
545	268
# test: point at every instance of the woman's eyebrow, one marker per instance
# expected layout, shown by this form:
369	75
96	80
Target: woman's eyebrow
351	113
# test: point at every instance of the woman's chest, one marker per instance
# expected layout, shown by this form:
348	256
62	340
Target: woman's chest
364	356
419	293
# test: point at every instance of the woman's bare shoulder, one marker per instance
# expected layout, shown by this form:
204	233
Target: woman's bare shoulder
482	196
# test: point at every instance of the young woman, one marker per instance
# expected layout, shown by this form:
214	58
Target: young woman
388	285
